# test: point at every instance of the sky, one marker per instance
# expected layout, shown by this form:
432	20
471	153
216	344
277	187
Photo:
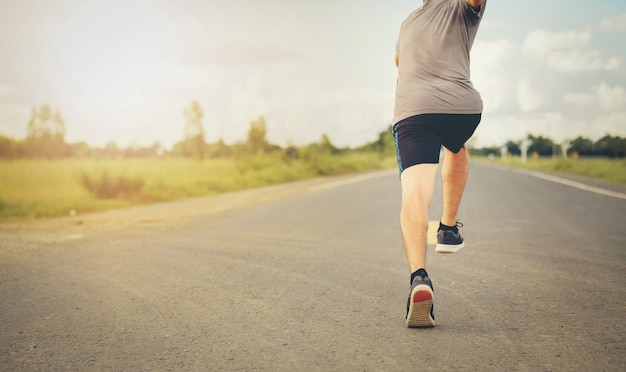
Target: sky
126	70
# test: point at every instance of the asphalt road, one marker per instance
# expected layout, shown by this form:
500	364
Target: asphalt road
312	276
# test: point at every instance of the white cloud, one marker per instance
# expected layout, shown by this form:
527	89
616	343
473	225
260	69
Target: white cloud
494	66
573	61
613	123
603	96
540	43
495	130
614	23
554	84
567	52
611	98
529	98
579	99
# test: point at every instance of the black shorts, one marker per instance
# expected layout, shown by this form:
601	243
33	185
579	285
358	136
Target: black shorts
420	137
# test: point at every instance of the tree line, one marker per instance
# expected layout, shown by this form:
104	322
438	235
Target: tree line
46	139
607	146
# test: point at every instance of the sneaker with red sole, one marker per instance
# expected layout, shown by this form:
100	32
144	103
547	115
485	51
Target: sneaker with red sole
420	312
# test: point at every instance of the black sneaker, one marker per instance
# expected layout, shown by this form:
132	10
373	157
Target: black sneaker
419	312
449	241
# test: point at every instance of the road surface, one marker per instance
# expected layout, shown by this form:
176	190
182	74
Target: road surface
312	276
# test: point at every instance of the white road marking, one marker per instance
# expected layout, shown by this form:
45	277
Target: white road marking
570	183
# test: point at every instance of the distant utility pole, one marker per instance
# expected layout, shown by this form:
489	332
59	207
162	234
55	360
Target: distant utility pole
564	147
524	150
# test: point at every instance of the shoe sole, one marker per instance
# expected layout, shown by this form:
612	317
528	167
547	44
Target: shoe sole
449	248
419	308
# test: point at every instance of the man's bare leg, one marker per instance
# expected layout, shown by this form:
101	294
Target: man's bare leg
418	183
453	175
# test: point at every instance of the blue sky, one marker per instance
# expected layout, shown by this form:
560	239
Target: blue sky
126	70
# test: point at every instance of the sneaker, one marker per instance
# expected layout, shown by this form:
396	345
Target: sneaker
419	312
449	241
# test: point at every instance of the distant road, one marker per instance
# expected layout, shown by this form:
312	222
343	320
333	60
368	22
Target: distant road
312	276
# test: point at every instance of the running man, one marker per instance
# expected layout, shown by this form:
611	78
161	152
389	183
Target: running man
436	105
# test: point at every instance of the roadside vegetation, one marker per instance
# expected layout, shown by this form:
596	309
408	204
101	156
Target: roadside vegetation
603	159
605	169
43	176
33	188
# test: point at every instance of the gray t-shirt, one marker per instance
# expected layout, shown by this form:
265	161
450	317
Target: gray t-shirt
434	66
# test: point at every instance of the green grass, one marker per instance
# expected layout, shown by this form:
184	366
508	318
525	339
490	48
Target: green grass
609	170
32	189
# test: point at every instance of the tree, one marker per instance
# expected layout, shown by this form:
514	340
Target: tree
610	146
291	152
9	148
219	149
513	148
540	145
256	137
194	144
486	151
193	125
44	123
326	146
111	150
46	133
581	146
80	150
385	144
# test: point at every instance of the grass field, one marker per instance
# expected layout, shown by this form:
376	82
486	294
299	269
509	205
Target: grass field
609	170
32	189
